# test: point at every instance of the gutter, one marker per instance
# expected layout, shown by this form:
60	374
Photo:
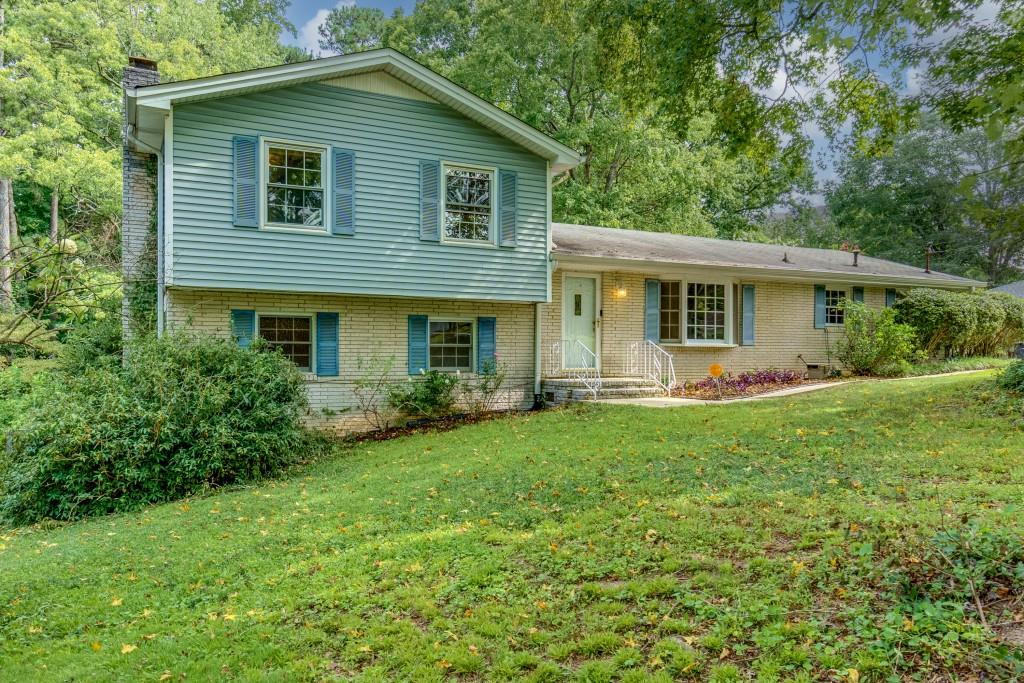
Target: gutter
770	273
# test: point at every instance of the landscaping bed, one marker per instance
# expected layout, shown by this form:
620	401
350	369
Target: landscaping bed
750	383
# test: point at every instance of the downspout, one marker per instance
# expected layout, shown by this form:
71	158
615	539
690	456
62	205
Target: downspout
538	400
159	244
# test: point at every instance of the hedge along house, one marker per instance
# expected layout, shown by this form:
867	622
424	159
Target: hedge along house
363	206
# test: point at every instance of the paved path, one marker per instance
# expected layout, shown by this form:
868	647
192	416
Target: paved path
665	402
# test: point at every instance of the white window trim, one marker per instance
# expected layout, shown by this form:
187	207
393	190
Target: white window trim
730	304
491	240
312	333
325	180
847	293
473	340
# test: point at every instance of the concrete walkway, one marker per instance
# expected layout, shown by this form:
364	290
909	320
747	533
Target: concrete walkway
666	402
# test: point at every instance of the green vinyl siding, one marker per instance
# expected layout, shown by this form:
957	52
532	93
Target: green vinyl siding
389	137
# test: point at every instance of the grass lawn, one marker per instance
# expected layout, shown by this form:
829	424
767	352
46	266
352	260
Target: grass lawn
597	543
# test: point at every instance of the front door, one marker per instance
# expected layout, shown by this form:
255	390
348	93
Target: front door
579	316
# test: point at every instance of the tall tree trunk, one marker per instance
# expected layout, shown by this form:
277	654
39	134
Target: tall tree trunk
11	214
54	213
5	246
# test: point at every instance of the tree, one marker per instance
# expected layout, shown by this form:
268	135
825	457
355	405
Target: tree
897	205
539	61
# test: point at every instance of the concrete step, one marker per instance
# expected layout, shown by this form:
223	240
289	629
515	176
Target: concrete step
606	382
617	392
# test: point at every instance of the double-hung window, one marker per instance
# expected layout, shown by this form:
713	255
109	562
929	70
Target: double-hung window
292	335
834	299
294	185
468	204
671	312
451	345
706	312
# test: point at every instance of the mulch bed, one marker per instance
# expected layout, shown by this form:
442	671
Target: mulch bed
691	391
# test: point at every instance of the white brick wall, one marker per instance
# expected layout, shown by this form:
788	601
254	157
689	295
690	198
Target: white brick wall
369	326
784	327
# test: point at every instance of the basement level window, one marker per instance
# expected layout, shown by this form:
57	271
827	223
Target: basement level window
292	335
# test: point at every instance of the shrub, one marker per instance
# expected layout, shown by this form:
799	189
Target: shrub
963	323
371	390
431	396
1012	377
182	414
482	395
873	342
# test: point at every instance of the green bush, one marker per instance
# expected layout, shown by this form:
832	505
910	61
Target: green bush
963	323
874	343
1012	377
431	396
182	414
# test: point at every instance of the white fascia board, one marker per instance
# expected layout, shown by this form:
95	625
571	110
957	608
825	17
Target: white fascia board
161	97
600	263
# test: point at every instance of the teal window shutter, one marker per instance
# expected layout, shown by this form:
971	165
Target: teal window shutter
486	345
417	344
243	327
858	294
507	182
819	306
652	310
430	201
344	199
245	155
749	315
327	364
890	298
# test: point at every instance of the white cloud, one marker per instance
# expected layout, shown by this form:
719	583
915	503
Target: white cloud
913	79
309	32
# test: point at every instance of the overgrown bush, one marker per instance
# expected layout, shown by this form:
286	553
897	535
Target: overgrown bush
1012	377
372	389
873	342
431	396
184	413
963	323
483	395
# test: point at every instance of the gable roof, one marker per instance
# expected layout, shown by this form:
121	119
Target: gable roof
146	106
636	250
1015	288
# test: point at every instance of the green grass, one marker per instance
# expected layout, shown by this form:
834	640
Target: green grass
937	367
597	543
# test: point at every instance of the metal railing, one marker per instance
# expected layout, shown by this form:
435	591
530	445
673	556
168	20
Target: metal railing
573	359
647	359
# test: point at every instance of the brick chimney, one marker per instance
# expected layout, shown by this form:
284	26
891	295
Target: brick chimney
138	198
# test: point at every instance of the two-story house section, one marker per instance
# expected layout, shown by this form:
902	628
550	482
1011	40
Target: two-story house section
362	208
344	209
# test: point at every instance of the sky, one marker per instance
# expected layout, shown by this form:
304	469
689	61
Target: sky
307	15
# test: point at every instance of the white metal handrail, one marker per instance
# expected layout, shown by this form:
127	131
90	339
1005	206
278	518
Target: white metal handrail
647	359
574	359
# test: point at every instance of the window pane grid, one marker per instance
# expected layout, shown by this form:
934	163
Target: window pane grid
451	345
294	186
671	313
834	306
467	204
292	335
705	312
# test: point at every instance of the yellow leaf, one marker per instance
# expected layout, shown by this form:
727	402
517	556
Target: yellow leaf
165	676
230	616
127	647
96	646
116	602
853	675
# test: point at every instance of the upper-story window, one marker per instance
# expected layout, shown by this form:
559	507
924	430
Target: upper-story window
468	205
294	185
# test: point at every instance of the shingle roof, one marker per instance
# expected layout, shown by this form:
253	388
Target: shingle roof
1015	288
669	248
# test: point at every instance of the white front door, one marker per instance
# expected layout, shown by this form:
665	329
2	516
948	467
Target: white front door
579	321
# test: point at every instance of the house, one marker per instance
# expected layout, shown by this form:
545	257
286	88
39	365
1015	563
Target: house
364	206
1014	288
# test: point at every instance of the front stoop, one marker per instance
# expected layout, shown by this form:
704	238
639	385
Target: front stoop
558	390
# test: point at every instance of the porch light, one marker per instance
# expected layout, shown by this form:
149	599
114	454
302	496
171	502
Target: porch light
619	289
